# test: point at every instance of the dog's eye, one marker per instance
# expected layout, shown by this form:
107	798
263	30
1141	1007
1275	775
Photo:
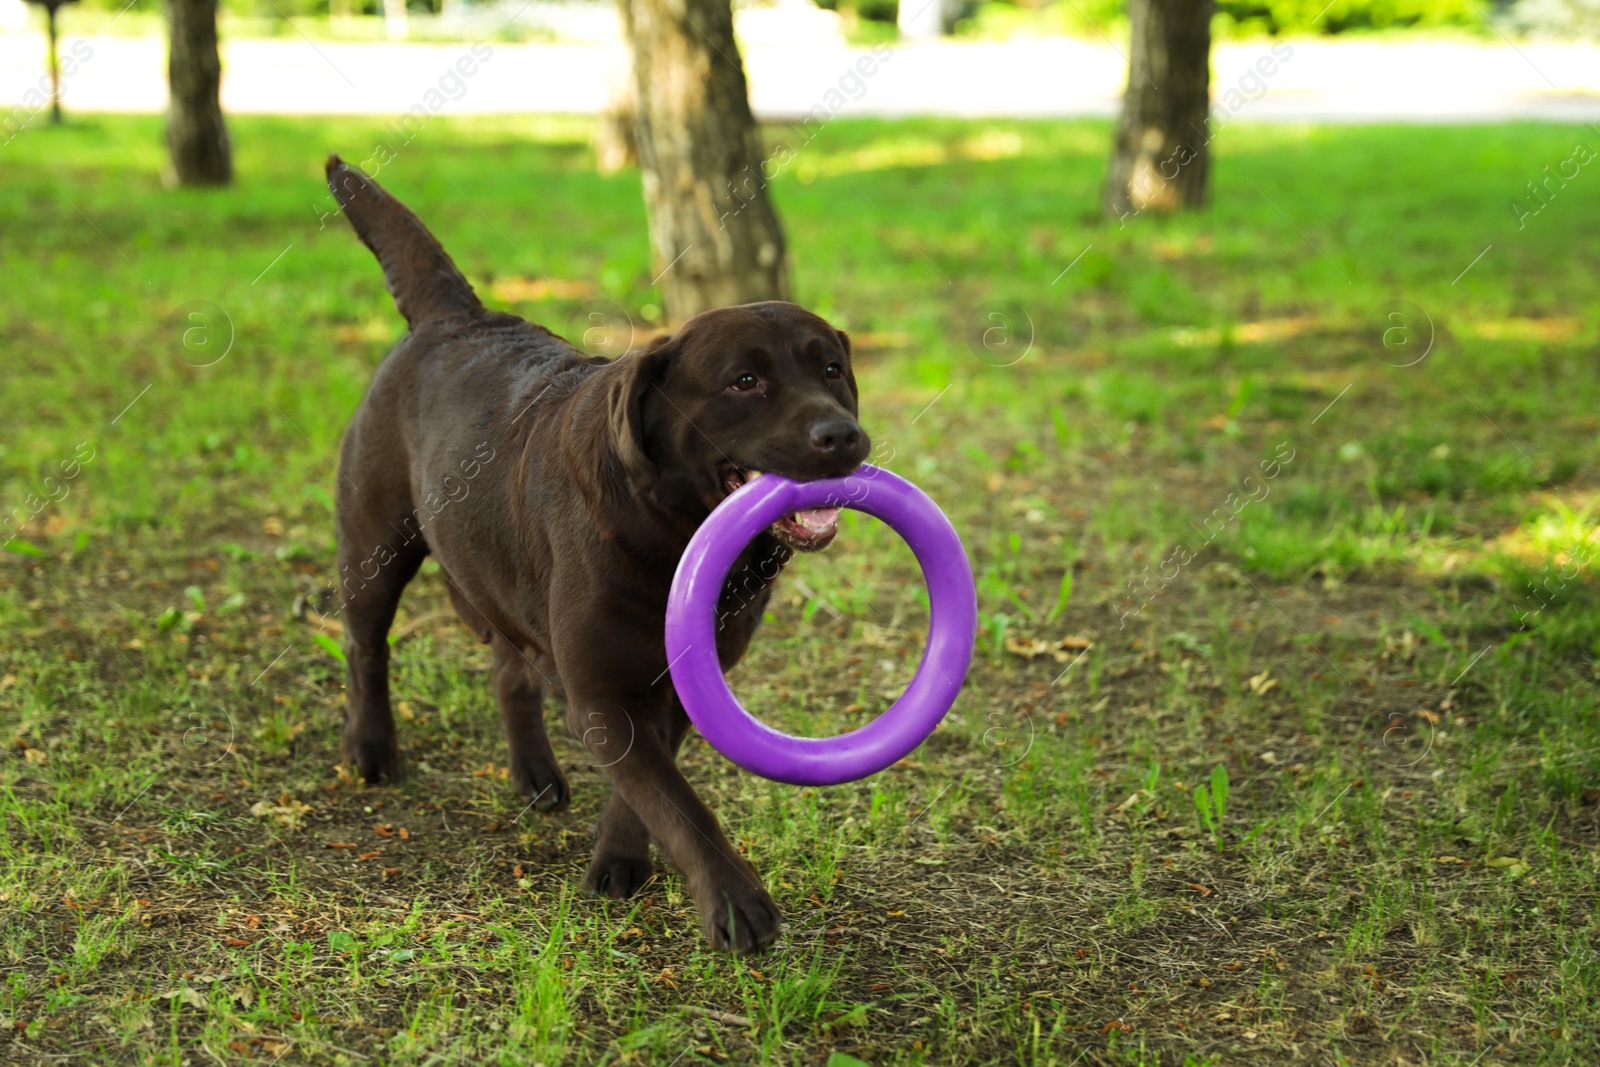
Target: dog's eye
834	372
744	383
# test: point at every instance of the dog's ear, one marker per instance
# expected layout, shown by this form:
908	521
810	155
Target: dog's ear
640	372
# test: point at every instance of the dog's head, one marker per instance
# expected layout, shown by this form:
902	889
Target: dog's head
735	392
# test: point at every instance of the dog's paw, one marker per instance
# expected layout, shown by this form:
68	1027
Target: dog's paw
542	783
376	758
738	915
617	877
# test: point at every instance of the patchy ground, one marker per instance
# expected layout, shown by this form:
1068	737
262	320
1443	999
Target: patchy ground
1281	741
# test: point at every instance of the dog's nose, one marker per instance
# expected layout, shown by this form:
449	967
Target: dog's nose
839	438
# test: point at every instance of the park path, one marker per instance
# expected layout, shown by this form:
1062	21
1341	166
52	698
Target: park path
1318	80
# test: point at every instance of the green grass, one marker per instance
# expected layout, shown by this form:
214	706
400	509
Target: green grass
1363	591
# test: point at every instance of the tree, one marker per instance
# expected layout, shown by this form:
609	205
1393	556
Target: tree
1159	158
50	9
713	232
615	140
197	137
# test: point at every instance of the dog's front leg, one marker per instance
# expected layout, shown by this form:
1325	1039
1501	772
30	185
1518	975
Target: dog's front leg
736	912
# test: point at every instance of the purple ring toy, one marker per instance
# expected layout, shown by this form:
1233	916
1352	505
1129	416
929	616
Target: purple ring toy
692	612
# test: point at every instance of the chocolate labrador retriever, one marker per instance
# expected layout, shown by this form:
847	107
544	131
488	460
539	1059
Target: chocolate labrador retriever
557	493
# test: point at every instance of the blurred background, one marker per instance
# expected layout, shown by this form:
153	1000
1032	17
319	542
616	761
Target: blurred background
1354	58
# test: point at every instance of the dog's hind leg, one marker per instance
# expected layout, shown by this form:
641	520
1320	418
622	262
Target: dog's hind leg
620	865
519	682
519	691
368	604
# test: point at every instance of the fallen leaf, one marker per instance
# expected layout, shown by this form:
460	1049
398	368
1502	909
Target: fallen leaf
289	812
1198	888
1263	683
184	995
1114	1024
1133	798
874	636
1027	647
236	942
369	855
339	844
1514	868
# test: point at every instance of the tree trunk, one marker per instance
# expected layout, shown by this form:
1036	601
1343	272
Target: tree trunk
55	67
616	136
1160	160
713	233
197	137
396	19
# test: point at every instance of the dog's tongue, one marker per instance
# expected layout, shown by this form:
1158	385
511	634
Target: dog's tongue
819	520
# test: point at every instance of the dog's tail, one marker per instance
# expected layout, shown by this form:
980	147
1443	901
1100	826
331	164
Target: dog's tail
420	274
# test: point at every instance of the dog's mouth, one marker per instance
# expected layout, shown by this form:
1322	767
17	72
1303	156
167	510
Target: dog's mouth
802	531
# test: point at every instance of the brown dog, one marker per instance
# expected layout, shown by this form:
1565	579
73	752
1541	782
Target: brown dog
557	493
